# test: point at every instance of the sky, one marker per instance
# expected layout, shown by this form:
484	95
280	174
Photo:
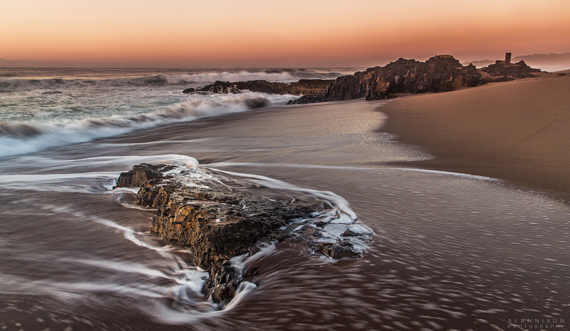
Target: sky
278	33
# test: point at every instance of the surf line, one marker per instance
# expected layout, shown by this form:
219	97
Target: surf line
316	166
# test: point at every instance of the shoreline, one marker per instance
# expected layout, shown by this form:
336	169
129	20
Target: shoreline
516	131
411	274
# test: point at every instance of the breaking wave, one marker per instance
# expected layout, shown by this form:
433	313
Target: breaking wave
9	82
28	137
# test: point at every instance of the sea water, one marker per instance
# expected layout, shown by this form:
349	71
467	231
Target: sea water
43	108
447	251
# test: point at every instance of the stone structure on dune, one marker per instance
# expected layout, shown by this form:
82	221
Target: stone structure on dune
217	223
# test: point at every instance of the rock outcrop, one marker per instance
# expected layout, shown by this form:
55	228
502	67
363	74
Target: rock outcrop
139	174
302	87
217	223
438	74
503	71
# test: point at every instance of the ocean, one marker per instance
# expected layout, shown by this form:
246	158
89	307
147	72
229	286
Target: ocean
446	251
43	108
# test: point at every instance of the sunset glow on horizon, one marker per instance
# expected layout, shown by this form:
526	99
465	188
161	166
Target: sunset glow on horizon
255	33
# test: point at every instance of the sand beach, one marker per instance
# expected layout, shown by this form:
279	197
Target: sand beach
518	131
451	250
289	166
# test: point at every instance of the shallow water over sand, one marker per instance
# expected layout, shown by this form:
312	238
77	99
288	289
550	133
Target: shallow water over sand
450	251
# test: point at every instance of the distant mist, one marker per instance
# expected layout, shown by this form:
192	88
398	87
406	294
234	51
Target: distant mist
50	64
546	62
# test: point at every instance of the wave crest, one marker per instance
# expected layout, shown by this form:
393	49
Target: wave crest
27	137
19	130
11	83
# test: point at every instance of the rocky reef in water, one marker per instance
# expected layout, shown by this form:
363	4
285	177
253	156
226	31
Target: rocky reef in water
217	223
302	87
440	73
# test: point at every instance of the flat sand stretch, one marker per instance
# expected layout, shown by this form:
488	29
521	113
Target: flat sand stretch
518	131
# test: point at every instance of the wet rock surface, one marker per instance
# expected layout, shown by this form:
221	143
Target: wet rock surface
140	174
218	223
302	87
335	251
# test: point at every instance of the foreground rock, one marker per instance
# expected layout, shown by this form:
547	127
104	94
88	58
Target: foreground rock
216	223
441	73
302	87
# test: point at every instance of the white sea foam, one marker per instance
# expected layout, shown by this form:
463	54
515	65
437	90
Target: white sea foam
242	261
49	108
240	76
112	161
318	166
27	137
70	182
449	173
21	81
120	266
81	176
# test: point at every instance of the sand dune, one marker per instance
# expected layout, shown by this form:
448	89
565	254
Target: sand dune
518	131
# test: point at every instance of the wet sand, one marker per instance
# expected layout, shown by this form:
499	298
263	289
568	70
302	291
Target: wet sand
501	256
518	131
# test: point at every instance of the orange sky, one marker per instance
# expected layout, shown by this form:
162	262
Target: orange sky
278	33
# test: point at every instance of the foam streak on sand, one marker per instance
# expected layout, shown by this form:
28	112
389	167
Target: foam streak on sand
316	166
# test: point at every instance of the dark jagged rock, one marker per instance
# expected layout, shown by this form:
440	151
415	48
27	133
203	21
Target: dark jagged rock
217	223
438	74
336	251
349	233
503	71
302	87
140	174
219	87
